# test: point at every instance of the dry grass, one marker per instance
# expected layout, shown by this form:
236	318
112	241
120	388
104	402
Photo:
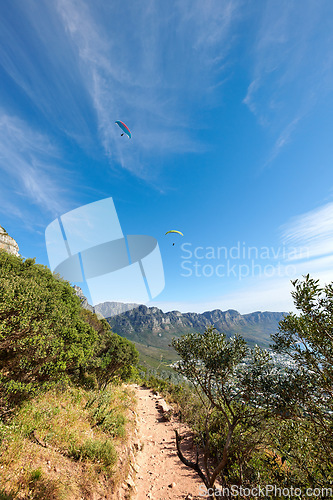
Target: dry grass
65	445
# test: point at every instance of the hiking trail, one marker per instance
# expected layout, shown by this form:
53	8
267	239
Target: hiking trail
160	473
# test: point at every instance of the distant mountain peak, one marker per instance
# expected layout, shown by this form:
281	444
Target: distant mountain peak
110	309
105	309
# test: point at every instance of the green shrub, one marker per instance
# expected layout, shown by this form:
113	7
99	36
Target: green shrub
46	336
96	451
107	411
42	334
113	360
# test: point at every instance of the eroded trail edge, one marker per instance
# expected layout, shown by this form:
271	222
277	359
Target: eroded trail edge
160	473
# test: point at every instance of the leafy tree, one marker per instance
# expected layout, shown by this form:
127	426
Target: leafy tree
99	324
307	339
42	333
226	373
115	358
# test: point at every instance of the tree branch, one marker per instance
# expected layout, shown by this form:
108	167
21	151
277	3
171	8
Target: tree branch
193	465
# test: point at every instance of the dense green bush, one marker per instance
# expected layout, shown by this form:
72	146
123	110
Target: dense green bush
46	336
306	437
114	359
42	333
95	450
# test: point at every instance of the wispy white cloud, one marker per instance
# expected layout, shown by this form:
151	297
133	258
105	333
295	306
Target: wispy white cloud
291	66
35	54
283	139
29	165
128	73
312	230
210	23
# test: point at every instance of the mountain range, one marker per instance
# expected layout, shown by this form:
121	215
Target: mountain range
152	327
152	330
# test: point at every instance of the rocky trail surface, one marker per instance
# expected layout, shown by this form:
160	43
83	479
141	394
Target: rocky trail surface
160	473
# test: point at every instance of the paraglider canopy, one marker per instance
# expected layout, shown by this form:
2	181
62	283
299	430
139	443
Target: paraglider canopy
174	231
124	128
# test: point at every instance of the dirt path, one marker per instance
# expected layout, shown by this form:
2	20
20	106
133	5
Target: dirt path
160	473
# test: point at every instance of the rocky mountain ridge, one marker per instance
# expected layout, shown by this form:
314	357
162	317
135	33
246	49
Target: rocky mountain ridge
105	309
108	309
153	327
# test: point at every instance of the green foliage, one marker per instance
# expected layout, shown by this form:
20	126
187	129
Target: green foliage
35	474
226	375
106	416
114	359
101	326
299	444
96	451
42	333
226	372
46	336
307	339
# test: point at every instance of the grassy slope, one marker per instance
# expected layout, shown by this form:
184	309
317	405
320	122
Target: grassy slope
66	444
156	357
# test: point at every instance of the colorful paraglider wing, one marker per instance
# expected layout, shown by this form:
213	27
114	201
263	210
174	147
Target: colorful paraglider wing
173	231
124	128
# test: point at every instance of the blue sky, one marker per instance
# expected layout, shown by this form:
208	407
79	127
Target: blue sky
230	106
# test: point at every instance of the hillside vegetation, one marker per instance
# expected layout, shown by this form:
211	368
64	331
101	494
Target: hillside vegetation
259	423
64	416
66	419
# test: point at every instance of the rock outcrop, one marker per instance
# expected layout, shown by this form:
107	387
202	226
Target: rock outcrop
84	301
8	243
